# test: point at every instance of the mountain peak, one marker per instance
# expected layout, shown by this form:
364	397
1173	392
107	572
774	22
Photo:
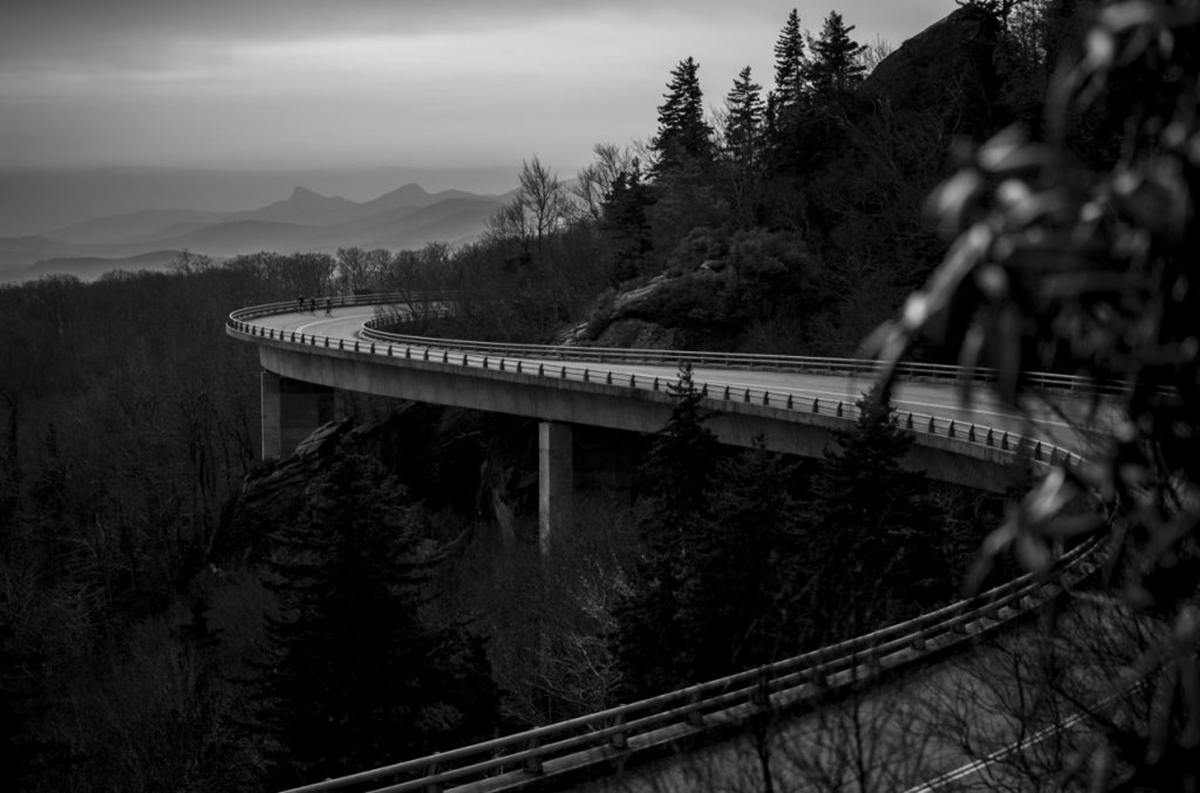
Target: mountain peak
410	195
410	190
304	194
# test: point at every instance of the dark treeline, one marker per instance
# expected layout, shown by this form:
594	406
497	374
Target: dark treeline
160	629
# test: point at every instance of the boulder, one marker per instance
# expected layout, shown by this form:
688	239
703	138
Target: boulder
943	68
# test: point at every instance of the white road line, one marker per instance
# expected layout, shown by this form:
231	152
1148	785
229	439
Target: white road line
328	320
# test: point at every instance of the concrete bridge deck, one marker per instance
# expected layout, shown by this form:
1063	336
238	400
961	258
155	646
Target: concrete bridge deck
796	404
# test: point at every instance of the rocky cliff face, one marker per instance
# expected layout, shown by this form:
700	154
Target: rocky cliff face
946	68
940	83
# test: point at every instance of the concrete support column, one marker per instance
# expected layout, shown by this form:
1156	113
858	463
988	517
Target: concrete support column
291	410
556	477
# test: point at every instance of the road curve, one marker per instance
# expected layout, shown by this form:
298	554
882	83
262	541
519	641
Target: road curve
941	399
342	328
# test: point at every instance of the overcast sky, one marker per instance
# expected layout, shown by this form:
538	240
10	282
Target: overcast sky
313	83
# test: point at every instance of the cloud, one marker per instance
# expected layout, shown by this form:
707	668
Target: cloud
133	31
220	81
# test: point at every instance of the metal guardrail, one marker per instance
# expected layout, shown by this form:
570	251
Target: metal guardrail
599	739
373	330
614	734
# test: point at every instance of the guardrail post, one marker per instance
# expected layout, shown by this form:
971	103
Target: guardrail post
726	395
485	359
993	612
766	397
341	344
761	698
694	717
445	356
746	398
950	432
432	787
839	409
562	372
1004	441
608	378
502	364
619	739
533	765
990	440
633	381
518	366
789	402
932	426
909	423
389	351
971	433
372	348
464	363
1037	450
656	384
326	341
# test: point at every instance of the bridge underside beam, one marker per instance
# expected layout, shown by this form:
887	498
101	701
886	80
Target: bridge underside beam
291	410
600	405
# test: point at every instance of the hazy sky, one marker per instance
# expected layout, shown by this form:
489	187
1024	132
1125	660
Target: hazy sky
315	83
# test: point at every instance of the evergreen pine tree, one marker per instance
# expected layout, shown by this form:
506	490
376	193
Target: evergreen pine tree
652	643
871	525
624	220
744	124
357	678
836	67
683	134
788	106
791	65
734	604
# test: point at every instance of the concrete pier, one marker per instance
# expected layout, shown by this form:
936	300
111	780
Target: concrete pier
556	479
291	410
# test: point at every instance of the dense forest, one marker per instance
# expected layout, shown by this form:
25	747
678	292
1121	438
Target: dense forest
176	614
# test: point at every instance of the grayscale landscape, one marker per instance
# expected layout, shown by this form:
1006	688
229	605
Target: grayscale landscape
674	396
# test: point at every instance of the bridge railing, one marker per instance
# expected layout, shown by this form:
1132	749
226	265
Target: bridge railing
475	355
609	736
375	330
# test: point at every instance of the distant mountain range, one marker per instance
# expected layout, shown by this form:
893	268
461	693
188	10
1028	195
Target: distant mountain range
405	218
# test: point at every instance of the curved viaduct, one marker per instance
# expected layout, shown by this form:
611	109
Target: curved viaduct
794	403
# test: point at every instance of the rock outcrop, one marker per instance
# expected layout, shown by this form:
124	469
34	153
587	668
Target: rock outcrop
946	68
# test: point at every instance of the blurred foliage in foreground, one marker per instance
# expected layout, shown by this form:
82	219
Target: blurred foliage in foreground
1055	264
